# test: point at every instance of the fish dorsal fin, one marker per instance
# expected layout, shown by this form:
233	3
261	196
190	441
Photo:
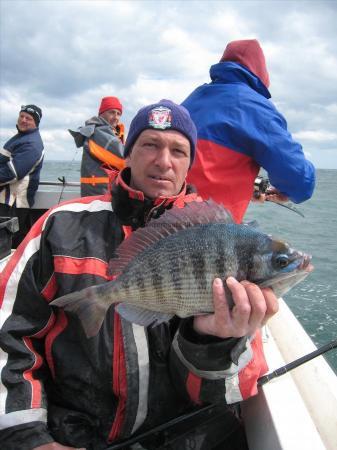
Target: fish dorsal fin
194	213
252	224
172	221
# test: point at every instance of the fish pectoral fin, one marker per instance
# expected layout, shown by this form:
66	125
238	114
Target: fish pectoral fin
142	316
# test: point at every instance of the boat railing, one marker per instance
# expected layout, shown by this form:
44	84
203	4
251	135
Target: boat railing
52	193
64	183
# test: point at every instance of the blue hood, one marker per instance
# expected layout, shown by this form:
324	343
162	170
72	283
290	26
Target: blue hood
231	72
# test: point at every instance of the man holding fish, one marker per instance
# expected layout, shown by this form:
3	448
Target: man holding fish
123	311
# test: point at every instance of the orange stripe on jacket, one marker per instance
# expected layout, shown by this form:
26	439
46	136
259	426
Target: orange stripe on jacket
119	384
60	324
257	367
105	156
120	130
76	266
36	401
193	386
94	180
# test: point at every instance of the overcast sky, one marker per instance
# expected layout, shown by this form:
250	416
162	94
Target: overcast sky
65	55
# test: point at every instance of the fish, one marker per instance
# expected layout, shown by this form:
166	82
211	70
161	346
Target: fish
167	268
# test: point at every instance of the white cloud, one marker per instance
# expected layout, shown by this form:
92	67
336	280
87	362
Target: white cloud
317	136
6	133
78	51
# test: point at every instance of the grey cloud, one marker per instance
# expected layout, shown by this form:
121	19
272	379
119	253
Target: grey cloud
65	55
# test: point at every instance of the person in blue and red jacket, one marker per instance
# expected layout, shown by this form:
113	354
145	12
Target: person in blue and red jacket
240	130
62	391
21	160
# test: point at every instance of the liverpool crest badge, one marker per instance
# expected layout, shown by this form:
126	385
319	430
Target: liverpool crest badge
160	118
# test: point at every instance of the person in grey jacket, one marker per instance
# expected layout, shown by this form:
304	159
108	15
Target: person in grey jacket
21	160
102	140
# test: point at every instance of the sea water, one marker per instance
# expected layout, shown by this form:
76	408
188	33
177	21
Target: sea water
314	301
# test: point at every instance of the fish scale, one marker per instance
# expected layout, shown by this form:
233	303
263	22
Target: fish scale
160	290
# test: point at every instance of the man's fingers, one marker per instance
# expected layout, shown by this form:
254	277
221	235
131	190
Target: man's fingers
276	197
252	308
241	311
219	322
257	303
259	198
272	304
219	297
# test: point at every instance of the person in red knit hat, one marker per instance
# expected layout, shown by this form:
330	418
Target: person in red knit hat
102	139
111	110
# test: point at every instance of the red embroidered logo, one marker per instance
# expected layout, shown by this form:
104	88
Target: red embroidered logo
160	117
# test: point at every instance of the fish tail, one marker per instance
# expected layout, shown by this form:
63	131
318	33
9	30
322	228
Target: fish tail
86	305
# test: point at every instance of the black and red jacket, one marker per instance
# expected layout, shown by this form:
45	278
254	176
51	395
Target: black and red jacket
59	385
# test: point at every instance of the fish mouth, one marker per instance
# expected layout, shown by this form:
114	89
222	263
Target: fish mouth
283	282
306	264
284	277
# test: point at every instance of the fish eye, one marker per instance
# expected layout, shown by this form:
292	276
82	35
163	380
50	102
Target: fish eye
282	261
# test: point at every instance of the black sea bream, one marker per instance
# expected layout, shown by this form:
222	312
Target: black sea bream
168	267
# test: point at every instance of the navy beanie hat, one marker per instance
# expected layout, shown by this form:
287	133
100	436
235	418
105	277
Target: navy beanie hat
33	111
164	115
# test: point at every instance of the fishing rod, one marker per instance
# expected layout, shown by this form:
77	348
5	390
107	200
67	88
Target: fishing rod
262	186
287	205
163	427
60	183
297	362
63	181
260	382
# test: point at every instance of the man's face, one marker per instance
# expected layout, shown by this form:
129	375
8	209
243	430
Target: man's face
25	122
112	116
159	161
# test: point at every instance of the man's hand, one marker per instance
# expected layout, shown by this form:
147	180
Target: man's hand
271	195
252	308
258	197
56	446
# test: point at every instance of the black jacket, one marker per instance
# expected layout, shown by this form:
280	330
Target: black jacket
61	386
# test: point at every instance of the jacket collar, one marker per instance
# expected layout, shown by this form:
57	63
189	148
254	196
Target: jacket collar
96	120
85	132
30	131
228	72
132	207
